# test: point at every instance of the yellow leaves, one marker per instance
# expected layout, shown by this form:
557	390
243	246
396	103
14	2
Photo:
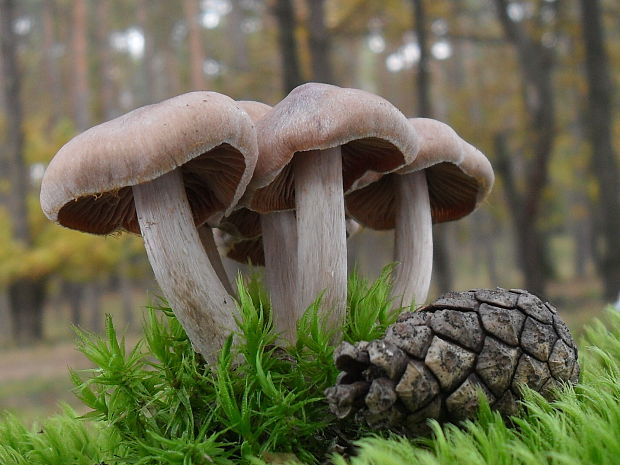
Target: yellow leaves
41	142
61	251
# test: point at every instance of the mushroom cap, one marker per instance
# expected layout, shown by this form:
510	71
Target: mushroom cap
249	248
87	185
247	251
256	110
244	223
374	135
459	178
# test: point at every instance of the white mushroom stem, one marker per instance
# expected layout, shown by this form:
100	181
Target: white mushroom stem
413	243
321	233
181	266
280	247
208	242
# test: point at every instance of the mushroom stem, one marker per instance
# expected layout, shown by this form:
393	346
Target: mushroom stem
280	246
208	242
413	242
181	265
321	233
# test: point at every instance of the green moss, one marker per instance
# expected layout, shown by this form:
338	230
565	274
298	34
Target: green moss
157	403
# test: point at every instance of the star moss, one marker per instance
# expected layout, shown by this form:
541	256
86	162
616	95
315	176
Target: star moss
158	403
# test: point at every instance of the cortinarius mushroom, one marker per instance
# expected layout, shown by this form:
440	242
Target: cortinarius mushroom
161	170
447	180
314	145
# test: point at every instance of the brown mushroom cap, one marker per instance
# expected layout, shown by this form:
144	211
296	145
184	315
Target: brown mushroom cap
87	186
459	178
249	248
374	135
247	251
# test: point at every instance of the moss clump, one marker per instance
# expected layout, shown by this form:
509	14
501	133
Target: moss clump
157	403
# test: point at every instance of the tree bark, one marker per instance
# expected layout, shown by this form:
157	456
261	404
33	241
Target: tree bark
604	161
287	43
93	297
146	87
320	43
50	67
108	107
81	98
191	9
441	255
26	295
536	68
237	36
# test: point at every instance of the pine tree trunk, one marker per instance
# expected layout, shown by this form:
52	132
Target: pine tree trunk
108	106
93	296
26	295
126	292
75	296
287	43
604	160
147	71
191	9
441	253
237	36
81	98
535	62
50	67
320	43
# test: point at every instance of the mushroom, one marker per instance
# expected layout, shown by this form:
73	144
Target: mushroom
249	224
160	170
448	180
250	249
313	145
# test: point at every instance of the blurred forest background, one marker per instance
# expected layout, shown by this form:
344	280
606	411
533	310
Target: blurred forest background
532	83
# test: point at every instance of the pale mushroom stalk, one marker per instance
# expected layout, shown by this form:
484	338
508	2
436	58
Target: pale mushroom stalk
280	247
208	242
413	242
321	232
181	265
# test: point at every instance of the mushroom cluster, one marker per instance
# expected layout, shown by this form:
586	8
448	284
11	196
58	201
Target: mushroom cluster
282	181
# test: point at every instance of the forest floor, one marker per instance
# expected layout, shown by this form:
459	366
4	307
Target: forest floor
35	380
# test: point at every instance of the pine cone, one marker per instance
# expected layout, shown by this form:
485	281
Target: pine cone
434	362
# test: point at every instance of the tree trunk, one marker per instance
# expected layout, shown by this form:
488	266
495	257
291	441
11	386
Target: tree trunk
81	99
125	285
191	9
26	297
74	292
93	295
529	240
441	255
536	68
147	71
50	66
287	43
107	85
26	294
604	161
237	36
320	43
